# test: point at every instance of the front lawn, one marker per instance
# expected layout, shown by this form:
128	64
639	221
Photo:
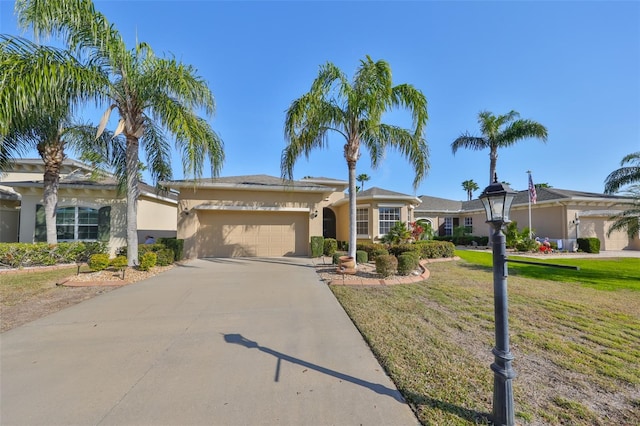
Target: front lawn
576	346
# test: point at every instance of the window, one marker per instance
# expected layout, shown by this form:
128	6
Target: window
77	223
388	217
448	226
362	222
468	224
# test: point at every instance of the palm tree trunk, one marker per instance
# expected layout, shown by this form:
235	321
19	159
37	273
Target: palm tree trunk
493	160
52	155
132	199
352	208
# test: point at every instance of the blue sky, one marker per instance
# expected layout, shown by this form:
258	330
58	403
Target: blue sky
573	66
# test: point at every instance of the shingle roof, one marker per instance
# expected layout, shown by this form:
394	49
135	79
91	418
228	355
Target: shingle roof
252	182
379	192
428	203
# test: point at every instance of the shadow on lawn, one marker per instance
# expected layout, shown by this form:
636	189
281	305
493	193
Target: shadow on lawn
473	416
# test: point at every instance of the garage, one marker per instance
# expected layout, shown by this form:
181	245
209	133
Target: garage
598	227
252	234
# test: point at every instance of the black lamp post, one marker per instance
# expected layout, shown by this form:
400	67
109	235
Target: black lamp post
497	199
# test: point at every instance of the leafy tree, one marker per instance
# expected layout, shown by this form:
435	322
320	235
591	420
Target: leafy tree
499	132
470	186
152	95
36	110
362	178
354	111
627	174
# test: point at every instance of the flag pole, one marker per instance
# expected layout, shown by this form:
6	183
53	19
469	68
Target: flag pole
529	197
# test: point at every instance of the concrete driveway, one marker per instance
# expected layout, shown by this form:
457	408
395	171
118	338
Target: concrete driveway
214	342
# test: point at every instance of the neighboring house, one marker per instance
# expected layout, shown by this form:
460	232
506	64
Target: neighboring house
89	207
260	215
558	214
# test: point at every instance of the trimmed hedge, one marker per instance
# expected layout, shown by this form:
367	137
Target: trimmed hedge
386	265
589	245
373	249
408	262
362	256
398	249
18	255
148	261
174	244
317	245
99	261
330	246
165	257
430	249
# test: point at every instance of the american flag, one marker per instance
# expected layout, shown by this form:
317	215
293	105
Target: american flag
533	197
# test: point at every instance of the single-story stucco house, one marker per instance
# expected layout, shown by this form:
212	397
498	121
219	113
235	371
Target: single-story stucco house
558	214
260	215
89	208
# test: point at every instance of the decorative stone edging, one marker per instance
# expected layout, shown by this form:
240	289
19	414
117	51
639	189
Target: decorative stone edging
396	279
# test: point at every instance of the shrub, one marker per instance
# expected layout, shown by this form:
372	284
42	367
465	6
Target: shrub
589	245
362	256
408	262
175	245
148	261
526	244
398	249
386	265
330	246
165	257
399	233
98	261
435	249
336	258
317	245
119	262
16	255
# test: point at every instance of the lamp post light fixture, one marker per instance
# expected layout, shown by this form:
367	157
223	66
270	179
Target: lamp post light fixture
497	199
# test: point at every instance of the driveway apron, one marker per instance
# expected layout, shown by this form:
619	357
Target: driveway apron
213	342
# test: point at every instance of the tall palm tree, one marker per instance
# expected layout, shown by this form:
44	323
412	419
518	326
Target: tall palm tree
627	174
40	87
499	132
470	186
152	95
362	178
354	111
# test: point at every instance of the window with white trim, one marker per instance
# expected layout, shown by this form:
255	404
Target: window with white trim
388	216
362	222
76	223
448	226
468	224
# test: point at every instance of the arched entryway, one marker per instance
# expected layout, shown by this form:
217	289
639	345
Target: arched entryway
328	223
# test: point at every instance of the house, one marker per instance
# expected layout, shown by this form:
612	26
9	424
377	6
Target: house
261	215
559	214
89	207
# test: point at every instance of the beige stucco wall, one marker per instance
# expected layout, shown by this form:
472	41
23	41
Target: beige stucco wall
342	218
209	199
9	221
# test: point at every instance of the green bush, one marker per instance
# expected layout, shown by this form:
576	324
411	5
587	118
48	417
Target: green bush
373	249
17	255
330	246
589	245
362	256
165	257
336	258
435	249
119	262
148	261
398	249
386	265
408	262
174	244
526	245
98	261
317	245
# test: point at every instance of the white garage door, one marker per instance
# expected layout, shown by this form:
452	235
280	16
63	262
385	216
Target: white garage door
262	234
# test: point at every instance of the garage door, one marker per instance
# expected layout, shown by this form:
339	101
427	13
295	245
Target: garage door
263	234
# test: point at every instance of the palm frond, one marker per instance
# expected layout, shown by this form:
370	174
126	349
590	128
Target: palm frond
625	175
521	129
467	141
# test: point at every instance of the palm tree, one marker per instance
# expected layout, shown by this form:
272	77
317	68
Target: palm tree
470	186
152	95
354	111
499	132
362	178
36	110
627	174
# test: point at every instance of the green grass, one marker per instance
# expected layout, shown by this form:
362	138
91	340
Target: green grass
14	288
571	340
602	274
